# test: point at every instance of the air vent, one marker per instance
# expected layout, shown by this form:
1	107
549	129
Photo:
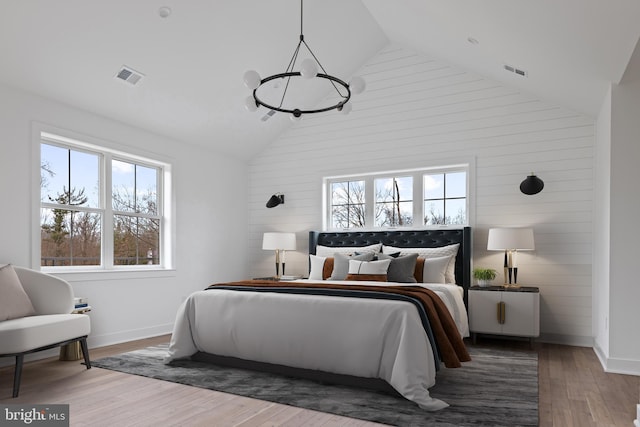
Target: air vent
129	75
267	116
515	70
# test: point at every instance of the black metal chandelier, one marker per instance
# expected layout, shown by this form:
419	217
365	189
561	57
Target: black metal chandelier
308	70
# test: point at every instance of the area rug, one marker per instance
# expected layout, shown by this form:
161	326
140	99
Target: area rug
497	388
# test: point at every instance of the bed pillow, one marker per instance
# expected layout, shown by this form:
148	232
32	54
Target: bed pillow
450	250
401	269
15	302
435	269
368	270
317	267
328	251
341	264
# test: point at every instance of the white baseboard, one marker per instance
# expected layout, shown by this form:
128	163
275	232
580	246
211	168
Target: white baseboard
103	340
615	365
576	341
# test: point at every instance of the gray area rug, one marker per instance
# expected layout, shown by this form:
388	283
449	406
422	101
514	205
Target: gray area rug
497	388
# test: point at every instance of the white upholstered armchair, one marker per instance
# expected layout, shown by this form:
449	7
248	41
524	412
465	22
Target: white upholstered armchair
47	323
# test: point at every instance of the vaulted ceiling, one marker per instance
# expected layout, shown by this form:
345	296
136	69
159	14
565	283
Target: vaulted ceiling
193	60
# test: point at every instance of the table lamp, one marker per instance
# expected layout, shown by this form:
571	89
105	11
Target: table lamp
280	242
510	240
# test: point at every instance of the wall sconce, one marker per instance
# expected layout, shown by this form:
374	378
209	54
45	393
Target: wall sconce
275	200
510	240
531	185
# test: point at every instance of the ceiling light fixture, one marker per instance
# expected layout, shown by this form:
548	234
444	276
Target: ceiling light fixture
308	70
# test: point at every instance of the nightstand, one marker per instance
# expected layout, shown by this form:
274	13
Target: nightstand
499	310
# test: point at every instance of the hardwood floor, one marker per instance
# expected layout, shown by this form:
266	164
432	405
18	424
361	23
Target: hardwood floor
574	391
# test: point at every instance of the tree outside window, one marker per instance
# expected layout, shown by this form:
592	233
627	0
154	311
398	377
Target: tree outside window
73	215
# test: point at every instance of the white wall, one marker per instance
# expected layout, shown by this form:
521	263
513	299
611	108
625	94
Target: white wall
210	228
601	230
418	112
624	290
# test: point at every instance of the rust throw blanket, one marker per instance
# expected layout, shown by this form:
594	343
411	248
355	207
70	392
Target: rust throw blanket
450	343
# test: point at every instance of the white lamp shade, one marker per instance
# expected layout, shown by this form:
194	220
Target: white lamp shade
286	241
501	239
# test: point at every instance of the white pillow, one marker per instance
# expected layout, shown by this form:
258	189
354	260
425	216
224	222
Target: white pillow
450	250
317	265
15	302
435	269
369	267
328	251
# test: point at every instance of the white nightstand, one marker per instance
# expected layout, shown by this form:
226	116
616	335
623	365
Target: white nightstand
499	310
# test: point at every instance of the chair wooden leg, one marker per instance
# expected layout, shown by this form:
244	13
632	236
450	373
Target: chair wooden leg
17	375
85	352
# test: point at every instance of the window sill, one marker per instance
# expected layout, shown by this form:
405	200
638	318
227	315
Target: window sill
104	275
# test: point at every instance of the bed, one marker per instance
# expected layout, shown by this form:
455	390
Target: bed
364	333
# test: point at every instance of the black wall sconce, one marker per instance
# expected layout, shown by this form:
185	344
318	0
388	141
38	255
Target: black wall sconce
531	185
275	200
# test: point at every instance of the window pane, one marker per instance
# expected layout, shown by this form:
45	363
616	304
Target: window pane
54	172
146	190
434	186
456	211
123	179
347	204
399	214
136	240
70	237
456	184
69	177
339	193
84	179
434	212
394	201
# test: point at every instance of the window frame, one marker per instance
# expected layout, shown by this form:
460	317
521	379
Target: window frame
467	166
107	151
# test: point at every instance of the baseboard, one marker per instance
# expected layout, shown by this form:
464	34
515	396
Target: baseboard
103	340
573	340
617	366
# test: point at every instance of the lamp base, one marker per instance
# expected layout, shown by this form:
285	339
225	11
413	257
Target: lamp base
511	285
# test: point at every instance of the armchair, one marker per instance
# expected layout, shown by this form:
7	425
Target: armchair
51	326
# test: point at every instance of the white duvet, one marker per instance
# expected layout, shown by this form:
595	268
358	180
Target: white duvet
369	338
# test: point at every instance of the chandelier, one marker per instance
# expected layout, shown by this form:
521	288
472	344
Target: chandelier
309	69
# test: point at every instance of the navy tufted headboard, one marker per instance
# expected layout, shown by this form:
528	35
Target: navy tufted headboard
405	239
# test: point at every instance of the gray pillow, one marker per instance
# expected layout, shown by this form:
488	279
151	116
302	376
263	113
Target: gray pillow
402	268
341	264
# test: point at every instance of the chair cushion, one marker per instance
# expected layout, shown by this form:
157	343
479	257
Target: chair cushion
29	333
15	302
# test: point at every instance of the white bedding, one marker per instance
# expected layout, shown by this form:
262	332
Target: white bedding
369	338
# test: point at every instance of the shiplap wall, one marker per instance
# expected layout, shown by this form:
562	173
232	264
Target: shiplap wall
419	112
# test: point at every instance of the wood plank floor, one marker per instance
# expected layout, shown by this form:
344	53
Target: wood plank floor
574	391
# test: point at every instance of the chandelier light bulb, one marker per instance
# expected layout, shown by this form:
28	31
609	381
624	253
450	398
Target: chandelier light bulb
357	85
252	79
346	108
250	104
308	68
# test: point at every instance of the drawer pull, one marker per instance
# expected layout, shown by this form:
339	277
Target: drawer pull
502	312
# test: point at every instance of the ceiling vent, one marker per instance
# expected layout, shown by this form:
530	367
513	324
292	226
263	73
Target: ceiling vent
129	75
515	70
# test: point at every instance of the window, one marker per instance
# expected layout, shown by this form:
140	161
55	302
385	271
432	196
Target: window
399	199
100	208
